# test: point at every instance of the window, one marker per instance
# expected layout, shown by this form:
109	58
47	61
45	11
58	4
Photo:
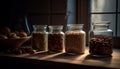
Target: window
89	11
107	10
71	11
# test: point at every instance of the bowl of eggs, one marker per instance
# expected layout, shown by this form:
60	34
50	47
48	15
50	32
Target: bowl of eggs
11	40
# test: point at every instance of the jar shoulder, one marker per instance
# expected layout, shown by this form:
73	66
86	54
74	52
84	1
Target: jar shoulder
75	32
56	33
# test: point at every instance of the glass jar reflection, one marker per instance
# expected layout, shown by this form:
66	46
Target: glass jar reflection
100	39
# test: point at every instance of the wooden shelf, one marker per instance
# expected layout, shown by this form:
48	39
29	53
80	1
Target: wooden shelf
62	60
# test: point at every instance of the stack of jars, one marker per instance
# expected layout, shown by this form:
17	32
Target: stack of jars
73	41
52	41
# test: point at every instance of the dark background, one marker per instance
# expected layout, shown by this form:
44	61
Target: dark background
13	13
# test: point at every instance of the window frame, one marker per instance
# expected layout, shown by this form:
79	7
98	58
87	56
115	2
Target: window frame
84	16
116	13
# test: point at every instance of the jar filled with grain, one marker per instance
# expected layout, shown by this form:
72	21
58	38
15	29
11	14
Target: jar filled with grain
100	39
75	39
40	38
55	38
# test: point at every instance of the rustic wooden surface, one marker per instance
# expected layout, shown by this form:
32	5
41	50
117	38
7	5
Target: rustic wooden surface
85	59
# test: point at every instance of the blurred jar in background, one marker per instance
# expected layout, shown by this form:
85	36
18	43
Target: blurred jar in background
100	39
56	38
39	38
75	40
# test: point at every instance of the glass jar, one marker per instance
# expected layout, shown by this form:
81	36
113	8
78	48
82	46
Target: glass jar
100	39
75	39
40	38
56	38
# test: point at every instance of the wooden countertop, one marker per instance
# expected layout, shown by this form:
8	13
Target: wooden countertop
62	59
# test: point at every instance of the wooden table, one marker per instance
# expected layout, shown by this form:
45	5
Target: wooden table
60	60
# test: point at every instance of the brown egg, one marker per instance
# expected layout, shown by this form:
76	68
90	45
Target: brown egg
13	35
22	34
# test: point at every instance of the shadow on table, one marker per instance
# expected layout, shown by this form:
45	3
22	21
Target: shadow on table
99	59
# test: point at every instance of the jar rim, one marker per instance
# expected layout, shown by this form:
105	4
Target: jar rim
55	26
38	25
101	22
75	24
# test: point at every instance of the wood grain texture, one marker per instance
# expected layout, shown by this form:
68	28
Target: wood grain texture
61	60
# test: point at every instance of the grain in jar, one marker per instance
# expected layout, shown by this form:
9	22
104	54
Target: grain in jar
40	38
75	39
55	38
100	39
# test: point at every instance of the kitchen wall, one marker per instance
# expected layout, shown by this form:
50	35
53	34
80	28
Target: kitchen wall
14	12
